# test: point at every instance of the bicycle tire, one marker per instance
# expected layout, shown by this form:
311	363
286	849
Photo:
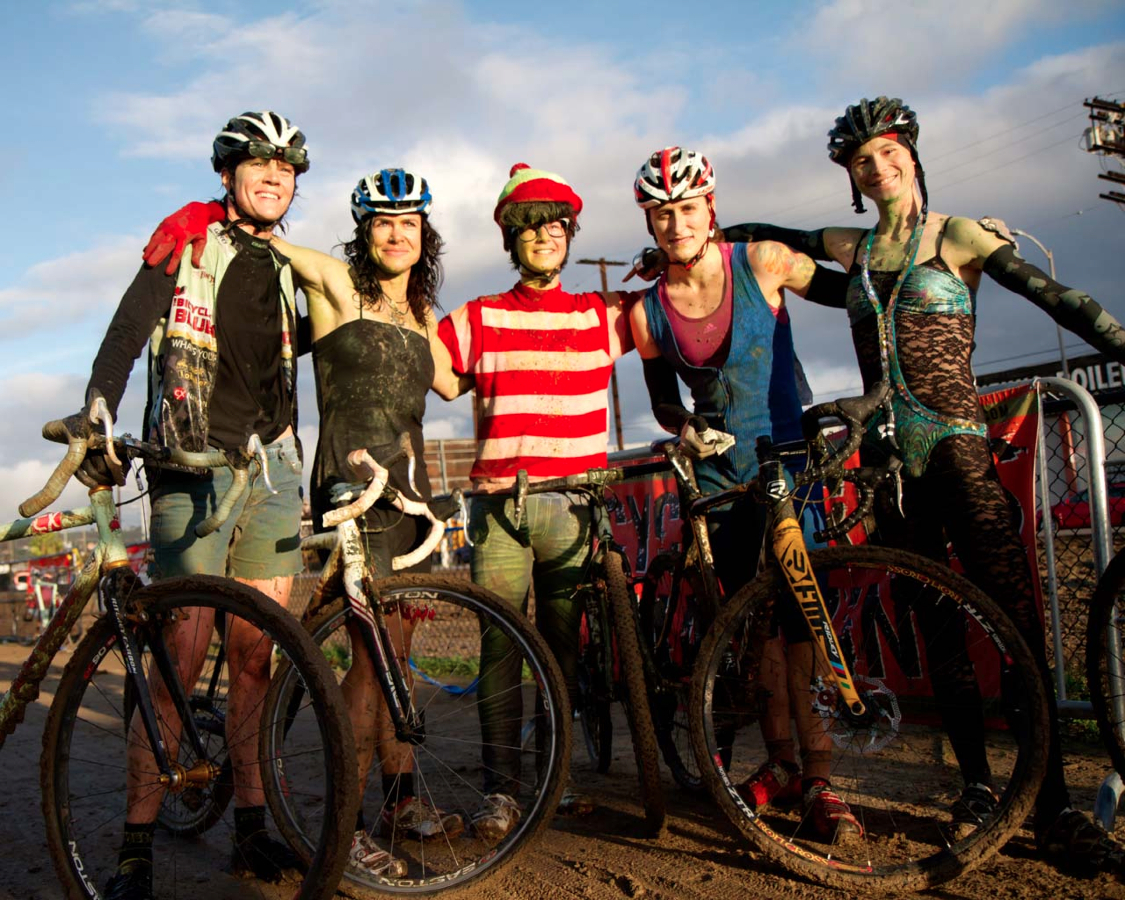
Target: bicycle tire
880	767
594	712
671	701
636	694
83	772
1105	670
456	612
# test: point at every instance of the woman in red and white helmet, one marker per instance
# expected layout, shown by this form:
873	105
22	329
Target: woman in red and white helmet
717	319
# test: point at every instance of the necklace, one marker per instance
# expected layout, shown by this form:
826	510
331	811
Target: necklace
885	315
398	317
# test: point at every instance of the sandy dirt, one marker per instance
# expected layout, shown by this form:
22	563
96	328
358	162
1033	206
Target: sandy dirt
601	857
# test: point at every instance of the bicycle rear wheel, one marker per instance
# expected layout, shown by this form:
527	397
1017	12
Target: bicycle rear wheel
893	764
636	694
672	632
88	733
451	619
1105	665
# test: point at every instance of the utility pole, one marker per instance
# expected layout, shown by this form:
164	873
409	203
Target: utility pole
601	263
1106	137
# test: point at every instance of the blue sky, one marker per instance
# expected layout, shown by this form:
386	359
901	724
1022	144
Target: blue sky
113	104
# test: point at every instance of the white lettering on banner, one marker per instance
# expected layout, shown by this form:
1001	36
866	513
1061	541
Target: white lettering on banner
1097	377
1113	374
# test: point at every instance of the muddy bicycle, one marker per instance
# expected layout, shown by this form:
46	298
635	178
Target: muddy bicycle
124	698
905	652
431	642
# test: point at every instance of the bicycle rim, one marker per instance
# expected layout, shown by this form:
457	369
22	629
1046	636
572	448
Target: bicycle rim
87	735
452	618
1105	663
894	766
636	694
673	644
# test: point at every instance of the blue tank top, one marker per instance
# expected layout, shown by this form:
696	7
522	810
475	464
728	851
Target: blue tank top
754	391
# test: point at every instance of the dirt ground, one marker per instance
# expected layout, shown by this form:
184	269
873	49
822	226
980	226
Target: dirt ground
598	858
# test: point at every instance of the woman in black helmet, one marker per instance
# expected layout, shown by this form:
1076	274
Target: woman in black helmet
911	301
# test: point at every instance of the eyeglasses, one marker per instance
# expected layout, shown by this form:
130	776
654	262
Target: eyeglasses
296	156
557	229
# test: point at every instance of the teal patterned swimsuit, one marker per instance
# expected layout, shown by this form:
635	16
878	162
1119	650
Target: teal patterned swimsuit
934	395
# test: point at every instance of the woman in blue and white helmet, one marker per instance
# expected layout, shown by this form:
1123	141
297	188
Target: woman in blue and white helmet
374	346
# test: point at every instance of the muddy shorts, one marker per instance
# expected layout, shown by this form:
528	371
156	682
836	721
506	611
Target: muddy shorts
261	537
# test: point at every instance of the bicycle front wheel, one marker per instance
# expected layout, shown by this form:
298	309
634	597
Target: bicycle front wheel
929	653
636	695
453	619
88	787
1105	665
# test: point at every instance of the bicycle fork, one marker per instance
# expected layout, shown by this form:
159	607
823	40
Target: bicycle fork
363	600
173	775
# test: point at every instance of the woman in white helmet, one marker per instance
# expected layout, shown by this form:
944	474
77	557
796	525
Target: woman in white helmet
376	355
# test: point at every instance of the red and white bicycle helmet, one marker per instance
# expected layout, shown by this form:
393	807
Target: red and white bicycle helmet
673	174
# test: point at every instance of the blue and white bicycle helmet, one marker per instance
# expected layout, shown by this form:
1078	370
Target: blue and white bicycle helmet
391	192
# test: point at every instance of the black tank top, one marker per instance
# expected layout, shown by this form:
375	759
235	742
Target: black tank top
371	384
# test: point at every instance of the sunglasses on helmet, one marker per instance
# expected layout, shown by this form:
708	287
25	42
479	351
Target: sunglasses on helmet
296	156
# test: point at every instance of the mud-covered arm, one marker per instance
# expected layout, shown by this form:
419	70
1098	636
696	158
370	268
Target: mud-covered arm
811	243
143	305
1072	309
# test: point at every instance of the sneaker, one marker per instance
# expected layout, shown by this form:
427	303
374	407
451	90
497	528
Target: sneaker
1076	843
496	816
975	807
830	816
366	859
776	781
415	819
260	856
575	805
136	884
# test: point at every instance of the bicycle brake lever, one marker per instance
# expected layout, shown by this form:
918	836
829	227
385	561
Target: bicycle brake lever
894	473
99	411
256	449
463	504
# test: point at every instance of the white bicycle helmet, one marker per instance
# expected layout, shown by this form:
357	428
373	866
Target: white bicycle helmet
673	174
391	191
263	135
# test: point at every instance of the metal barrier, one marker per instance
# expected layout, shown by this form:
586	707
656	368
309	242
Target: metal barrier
1077	515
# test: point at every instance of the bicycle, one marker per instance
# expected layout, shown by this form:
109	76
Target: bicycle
861	604
124	692
431	699
612	665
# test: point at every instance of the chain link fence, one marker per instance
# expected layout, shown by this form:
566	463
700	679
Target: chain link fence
1065	473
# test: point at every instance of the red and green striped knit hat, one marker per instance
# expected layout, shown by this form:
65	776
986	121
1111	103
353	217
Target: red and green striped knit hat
528	185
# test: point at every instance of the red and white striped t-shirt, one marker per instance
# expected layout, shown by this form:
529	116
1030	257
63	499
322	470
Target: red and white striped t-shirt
542	363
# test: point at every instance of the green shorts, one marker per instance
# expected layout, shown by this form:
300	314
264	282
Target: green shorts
260	539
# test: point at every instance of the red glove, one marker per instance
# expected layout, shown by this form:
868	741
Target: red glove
183	227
